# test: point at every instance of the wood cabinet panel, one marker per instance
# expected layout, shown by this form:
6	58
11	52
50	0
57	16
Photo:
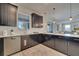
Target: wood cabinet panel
37	20
8	14
11	45
1	46
27	42
49	41
12	15
61	44
73	47
3	14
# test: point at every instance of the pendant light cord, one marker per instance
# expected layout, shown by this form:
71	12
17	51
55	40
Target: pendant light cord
54	13
70	10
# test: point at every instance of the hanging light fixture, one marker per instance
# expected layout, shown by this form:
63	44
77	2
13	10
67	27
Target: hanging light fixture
70	18
54	15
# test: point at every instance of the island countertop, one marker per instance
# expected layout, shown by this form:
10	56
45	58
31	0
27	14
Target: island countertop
60	34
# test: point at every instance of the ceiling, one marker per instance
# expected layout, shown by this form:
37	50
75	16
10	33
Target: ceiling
62	10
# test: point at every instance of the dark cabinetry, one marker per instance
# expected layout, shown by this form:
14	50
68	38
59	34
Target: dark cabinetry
27	42
49	41
38	38
61	44
56	42
64	44
1	47
8	14
3	14
73	47
37	20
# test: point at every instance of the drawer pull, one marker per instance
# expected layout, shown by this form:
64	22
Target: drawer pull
25	42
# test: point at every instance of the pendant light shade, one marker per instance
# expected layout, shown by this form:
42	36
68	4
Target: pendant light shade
70	18
54	22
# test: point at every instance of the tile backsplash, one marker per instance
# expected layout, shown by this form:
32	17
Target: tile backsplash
7	30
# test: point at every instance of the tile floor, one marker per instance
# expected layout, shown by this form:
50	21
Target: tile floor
39	50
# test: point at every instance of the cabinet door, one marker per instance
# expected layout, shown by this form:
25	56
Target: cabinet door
37	20
61	44
8	14
38	38
11	45
3	13
49	41
73	47
1	46
0	15
34	20
12	15
31	42
27	42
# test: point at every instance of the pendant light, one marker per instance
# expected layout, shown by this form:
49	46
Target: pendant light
70	18
54	15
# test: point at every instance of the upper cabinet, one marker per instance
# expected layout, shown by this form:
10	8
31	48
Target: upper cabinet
37	21
8	14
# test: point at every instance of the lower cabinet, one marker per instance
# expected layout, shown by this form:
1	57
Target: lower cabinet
73	47
49	41
11	45
66	45
38	38
1	46
61	44
27	42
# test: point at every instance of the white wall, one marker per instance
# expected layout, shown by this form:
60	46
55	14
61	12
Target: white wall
27	11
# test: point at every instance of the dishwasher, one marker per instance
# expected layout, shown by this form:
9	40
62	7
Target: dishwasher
11	45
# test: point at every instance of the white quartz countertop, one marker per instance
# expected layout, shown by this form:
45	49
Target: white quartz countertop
60	34
3	36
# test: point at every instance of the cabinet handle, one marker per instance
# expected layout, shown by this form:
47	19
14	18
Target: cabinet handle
25	42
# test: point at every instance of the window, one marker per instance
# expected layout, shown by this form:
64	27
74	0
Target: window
23	22
67	27
50	27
